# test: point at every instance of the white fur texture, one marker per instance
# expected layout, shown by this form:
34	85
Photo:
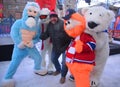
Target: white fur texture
30	22
44	11
102	18
8	83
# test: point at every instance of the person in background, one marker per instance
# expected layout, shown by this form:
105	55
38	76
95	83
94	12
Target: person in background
60	41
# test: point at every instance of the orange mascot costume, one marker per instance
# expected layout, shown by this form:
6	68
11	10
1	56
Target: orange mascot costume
80	55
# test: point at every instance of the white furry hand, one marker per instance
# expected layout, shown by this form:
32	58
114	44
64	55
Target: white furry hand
21	45
30	44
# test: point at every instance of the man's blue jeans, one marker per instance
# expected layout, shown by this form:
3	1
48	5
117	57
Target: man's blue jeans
55	59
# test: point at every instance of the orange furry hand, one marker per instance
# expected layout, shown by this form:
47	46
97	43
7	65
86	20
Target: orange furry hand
79	46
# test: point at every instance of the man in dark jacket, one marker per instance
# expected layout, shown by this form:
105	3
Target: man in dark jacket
60	41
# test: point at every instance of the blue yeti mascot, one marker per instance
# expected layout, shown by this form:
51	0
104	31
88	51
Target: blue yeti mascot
25	33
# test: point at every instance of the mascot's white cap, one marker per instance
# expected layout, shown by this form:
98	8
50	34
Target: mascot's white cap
44	11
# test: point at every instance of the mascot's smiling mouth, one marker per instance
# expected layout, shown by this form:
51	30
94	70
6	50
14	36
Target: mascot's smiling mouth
31	16
92	24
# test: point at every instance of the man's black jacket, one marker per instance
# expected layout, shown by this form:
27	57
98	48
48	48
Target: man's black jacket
60	39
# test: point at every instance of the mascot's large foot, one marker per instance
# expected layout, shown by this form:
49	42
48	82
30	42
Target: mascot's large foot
8	83
41	72
94	83
50	72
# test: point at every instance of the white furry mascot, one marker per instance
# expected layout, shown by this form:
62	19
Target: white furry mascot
98	19
25	34
46	44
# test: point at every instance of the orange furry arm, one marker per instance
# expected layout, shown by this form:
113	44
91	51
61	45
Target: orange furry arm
78	46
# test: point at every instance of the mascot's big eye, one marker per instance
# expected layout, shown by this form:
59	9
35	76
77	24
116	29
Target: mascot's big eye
35	12
30	10
67	22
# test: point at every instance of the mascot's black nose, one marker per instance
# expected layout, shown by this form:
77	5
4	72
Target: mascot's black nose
92	24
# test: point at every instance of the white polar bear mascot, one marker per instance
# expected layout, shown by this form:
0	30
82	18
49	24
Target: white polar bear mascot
46	44
98	19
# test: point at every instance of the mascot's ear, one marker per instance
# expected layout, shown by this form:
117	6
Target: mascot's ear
111	14
44	11
28	2
84	10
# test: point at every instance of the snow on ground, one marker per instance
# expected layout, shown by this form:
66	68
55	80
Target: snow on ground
26	78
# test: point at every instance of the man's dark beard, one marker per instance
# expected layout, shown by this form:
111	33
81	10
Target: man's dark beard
53	21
